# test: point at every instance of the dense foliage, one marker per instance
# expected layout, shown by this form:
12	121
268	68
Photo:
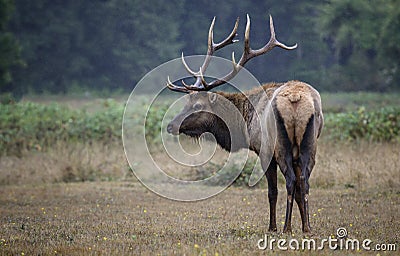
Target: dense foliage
380	125
64	46
153	123
32	126
9	48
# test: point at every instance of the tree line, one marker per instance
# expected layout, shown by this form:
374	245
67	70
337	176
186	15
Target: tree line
61	46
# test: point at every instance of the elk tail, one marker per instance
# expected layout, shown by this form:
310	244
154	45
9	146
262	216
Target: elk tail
296	109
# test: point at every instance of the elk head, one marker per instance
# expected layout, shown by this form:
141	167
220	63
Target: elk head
198	116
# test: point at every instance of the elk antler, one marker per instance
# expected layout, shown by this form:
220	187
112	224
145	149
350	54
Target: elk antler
248	53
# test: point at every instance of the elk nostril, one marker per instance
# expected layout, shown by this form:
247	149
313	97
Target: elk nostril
170	128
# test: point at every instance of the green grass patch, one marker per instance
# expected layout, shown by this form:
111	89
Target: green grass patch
33	126
351	101
378	125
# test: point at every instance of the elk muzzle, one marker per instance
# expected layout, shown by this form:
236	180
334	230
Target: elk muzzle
173	128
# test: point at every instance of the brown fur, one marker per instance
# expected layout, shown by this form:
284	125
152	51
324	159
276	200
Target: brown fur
296	105
295	101
298	115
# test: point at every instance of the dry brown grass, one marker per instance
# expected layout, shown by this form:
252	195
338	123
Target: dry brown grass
353	185
126	219
362	165
66	163
359	164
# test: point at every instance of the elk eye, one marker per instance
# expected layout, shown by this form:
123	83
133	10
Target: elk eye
197	106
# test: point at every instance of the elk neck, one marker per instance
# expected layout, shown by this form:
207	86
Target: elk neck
239	129
246	102
242	103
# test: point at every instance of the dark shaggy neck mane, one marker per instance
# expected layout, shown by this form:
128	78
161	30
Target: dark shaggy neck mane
221	133
220	130
241	102
244	101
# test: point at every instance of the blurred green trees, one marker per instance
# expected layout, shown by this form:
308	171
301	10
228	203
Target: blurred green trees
365	42
62	46
91	44
9	48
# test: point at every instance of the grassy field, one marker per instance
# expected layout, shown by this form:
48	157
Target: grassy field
82	199
122	218
345	101
44	210
332	102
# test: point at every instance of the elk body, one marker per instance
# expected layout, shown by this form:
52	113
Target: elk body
297	113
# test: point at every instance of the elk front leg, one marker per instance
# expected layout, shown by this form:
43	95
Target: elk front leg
271	175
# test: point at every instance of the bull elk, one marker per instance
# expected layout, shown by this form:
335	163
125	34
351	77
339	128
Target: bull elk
296	111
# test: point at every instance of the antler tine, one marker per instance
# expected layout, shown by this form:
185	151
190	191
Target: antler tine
187	67
201	84
247	48
176	88
210	43
248	53
235	65
272	42
277	43
230	39
212	47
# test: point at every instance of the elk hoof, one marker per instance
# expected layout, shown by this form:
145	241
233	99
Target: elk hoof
272	229
287	231
307	230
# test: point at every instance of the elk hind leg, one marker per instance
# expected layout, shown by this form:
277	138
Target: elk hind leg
284	158
271	175
290	188
304	167
285	162
300	198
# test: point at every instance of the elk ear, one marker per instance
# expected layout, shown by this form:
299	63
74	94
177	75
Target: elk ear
212	97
